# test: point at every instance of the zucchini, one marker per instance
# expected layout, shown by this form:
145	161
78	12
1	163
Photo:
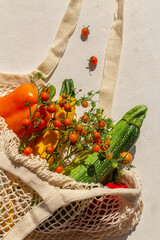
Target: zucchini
92	167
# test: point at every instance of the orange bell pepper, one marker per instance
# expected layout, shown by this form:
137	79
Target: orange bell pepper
12	108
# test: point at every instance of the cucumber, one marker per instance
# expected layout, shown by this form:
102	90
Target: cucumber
92	167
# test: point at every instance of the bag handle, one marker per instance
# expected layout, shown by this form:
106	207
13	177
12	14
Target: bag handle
56	51
112	60
65	31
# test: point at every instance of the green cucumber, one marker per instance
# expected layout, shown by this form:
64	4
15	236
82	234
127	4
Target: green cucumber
92	167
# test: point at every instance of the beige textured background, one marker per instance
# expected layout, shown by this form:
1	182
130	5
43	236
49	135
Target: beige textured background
27	29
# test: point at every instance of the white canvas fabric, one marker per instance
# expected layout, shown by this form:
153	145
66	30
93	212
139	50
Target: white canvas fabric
36	203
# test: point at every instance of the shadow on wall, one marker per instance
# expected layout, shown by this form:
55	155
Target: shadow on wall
133	151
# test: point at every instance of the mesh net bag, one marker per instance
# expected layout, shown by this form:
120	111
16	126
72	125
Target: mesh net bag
84	211
36	203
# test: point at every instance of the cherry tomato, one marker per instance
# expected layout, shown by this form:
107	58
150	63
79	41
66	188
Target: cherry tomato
97	135
85	104
109	156
85	118
67	107
105	147
50	149
67	121
57	123
61	103
64	96
83	133
93	104
127	158
97	141
102	124
27	151
85	31
51	108
59	169
44	96
37	114
47	89
114	164
96	148
93	60
79	127
78	145
73	137
41	124
26	122
107	141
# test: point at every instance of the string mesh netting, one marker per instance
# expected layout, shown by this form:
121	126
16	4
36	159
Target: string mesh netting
93	218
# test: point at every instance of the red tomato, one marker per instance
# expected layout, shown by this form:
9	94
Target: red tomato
105	147
64	96
59	169
44	96
96	148
93	60
73	137
98	141
85	118
97	135
41	124
26	122
61	103
67	121
50	149
37	114
27	151
57	123
102	124
85	31
51	108
67	107
85	104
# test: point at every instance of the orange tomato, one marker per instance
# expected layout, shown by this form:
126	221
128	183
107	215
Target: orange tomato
127	158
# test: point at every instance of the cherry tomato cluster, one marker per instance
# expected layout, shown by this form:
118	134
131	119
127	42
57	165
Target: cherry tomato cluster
90	131
39	118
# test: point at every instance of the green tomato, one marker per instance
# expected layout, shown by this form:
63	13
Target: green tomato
93	104
78	145
114	164
121	172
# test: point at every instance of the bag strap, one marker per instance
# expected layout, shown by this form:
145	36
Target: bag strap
56	51
65	31
112	60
